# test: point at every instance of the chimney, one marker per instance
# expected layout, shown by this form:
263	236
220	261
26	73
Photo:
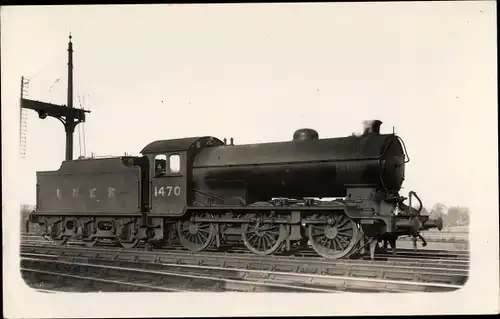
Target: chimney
372	127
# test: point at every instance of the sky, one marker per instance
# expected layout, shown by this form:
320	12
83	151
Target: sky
259	72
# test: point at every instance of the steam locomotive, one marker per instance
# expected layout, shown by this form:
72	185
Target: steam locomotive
203	193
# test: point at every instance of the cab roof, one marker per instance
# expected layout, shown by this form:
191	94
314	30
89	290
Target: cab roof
181	144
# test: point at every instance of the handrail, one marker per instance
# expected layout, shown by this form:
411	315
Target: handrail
406	155
410	194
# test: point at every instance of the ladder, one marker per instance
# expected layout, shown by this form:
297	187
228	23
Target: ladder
23	118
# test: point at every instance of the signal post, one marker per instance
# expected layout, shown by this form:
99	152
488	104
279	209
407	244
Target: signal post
69	116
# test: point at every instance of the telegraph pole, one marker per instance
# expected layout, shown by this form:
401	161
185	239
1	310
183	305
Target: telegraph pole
69	116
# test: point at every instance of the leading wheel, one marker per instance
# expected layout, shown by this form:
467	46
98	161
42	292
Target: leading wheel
335	239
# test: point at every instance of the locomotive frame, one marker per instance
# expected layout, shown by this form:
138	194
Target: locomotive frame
170	197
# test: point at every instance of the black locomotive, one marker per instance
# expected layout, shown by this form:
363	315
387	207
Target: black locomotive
204	192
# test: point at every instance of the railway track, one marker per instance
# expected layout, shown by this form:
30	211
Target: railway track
120	278
297	274
401	253
410	257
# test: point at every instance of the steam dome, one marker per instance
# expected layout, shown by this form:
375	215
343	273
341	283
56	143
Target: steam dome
305	134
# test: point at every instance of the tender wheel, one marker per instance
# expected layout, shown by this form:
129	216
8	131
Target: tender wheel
126	238
262	239
90	243
129	244
336	239
86	230
55	232
196	236
61	241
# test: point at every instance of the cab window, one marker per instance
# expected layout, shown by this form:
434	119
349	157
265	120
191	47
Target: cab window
160	165
174	161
